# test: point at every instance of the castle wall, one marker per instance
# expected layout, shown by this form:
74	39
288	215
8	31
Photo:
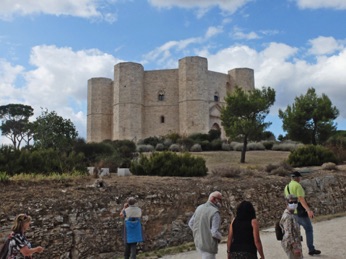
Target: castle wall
129	108
243	78
128	101
193	95
154	110
99	115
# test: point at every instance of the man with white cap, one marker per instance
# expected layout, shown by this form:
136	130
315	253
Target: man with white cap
207	236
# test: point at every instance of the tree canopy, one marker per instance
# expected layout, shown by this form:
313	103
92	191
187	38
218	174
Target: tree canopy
310	119
15	122
53	131
245	112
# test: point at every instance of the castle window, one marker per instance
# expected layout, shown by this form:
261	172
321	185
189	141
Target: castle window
216	97
161	95
162	119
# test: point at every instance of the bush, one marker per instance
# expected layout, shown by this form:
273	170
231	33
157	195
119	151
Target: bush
214	134
186	143
281	169
268	144
174	148
310	155
153	141
169	164
255	146
145	148
160	147
226	147
196	148
216	144
286	146
4	177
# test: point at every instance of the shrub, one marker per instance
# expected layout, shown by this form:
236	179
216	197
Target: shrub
216	144
173	137
281	169
4	177
226	147
160	147
310	155
169	164
286	146
329	166
186	143
227	172
145	148
167	142
199	137
174	148
268	144
196	148
205	144
153	141
255	146
214	134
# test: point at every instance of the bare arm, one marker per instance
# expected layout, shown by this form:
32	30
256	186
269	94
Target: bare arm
26	251
122	213
257	238
229	239
306	206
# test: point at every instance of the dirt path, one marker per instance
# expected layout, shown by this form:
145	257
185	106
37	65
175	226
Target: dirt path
330	238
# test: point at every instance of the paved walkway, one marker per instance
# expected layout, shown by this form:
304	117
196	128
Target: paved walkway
330	238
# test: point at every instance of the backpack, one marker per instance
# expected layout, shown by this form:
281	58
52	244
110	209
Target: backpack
279	232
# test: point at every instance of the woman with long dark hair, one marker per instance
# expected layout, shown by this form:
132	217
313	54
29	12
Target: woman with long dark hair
243	236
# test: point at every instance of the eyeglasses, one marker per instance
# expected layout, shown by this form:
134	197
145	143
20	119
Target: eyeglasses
293	202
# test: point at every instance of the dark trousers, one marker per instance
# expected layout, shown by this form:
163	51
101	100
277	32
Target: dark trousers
130	249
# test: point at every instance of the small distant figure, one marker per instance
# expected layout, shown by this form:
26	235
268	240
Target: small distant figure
303	213
133	227
18	245
243	236
291	241
205	224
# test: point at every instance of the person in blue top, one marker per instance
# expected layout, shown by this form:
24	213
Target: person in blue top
133	227
304	219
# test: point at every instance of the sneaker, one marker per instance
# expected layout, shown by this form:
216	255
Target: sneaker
315	252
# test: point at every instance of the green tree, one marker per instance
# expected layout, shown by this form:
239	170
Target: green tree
15	122
310	119
53	131
244	114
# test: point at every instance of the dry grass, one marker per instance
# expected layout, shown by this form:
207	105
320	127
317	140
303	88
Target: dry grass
253	159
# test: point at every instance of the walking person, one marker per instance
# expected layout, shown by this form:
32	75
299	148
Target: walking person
291	241
205	224
133	227
18	245
243	236
303	213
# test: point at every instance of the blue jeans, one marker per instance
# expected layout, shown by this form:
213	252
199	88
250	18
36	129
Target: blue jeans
309	232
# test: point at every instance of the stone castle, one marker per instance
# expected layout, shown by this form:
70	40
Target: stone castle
138	104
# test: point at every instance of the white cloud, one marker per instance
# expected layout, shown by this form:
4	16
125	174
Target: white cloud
204	5
58	82
212	31
324	46
240	35
78	8
279	67
315	4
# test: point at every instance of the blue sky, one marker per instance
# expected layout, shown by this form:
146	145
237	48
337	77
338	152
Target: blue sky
49	49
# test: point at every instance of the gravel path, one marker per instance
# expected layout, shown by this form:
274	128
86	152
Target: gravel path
330	238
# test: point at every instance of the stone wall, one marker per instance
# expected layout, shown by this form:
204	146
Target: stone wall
80	220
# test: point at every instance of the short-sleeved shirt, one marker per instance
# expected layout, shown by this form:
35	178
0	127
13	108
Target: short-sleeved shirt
295	188
133	212
18	241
